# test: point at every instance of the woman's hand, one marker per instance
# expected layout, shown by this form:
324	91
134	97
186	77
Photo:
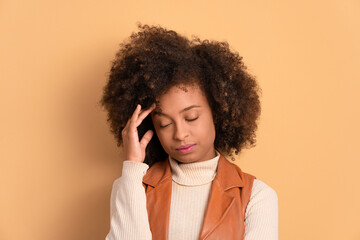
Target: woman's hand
133	149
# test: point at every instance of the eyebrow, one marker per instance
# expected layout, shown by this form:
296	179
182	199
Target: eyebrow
185	109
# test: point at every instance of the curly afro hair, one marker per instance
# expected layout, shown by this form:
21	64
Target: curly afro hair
155	59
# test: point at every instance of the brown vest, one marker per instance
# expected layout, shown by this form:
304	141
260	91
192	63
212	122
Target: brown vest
224	217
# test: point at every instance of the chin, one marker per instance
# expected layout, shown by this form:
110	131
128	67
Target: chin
185	158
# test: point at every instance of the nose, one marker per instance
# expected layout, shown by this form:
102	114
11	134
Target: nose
181	132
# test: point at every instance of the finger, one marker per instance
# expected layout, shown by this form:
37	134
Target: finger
146	139
149	109
144	113
129	120
134	116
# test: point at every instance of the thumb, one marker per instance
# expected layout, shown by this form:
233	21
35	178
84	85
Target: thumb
146	139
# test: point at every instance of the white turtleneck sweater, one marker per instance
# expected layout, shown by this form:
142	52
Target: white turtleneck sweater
191	184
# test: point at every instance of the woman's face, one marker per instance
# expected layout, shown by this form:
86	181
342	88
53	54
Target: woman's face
184	124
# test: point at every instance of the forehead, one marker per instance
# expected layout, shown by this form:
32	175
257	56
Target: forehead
179	97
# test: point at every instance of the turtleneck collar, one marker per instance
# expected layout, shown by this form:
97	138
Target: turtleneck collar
196	173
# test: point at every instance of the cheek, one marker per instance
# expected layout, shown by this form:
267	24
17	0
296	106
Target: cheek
209	131
163	138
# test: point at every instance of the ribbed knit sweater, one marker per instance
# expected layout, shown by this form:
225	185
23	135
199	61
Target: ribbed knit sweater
191	184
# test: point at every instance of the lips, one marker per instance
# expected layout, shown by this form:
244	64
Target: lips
185	149
185	146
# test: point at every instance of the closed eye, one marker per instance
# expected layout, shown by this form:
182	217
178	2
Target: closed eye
190	120
164	126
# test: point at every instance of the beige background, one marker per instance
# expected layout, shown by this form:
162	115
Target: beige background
58	158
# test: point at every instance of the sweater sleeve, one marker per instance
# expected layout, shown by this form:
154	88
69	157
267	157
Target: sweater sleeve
261	216
128	213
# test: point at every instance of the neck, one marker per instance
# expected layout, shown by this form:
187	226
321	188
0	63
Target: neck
195	173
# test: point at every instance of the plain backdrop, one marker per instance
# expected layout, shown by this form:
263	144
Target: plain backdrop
58	159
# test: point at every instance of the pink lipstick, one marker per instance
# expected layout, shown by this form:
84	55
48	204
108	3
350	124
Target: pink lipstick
186	148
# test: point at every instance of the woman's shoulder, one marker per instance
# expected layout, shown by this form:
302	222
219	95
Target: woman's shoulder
263	200
262	212
261	190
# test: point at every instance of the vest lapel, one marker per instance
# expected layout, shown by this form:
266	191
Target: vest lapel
223	200
158	184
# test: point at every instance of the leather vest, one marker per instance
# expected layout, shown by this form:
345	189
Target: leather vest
225	213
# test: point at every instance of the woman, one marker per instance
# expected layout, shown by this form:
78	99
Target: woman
194	103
